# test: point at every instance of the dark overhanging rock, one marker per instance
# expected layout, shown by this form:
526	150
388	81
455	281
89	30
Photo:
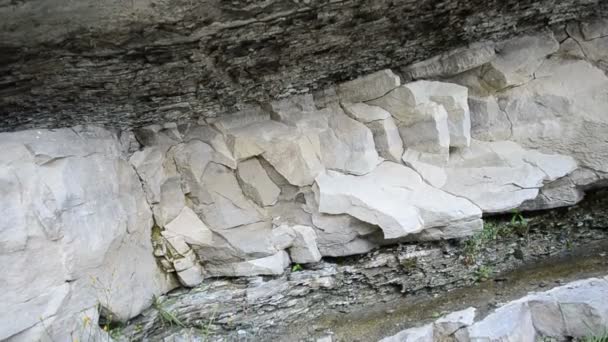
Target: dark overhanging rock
141	62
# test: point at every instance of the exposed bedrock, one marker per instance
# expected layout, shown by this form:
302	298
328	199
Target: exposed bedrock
373	161
575	310
134	63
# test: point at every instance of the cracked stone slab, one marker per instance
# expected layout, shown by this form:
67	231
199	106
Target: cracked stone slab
394	197
500	176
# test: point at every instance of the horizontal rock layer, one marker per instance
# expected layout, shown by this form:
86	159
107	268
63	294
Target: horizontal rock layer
129	64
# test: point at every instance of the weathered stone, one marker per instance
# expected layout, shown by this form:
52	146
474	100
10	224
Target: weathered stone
512	322
434	175
559	193
429	134
87	215
251	241
347	145
500	176
387	139
385	196
154	169
201	68
518	59
562	111
365	113
272	265
583	307
404	101
190	227
283	236
341	235
191	276
420	334
488	121
449	324
304	249
368	87
256	184
594	29
288	151
451	63
292	109
229	208
171	202
191	160
158	135
213	138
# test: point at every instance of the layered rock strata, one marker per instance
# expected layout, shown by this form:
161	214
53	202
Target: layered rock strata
370	162
136	63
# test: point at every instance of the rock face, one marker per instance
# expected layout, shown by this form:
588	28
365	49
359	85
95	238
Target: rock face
394	198
368	162
576	310
134	64
73	211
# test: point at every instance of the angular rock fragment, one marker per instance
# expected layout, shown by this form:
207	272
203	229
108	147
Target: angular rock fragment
518	59
512	322
500	176
272	265
583	306
368	87
342	235
365	113
347	145
432	174
449	324
386	134
452	63
488	121
393	197
387	139
420	334
229	208
216	140
171	202
292	154
256	184
428	111
304	249
190	227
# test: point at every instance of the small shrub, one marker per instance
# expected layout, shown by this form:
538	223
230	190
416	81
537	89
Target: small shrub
484	273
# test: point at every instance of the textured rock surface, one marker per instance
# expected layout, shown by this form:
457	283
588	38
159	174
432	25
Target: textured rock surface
575	310
362	164
73	211
268	307
393	197
136	63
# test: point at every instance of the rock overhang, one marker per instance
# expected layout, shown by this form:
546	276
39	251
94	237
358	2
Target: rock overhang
129	65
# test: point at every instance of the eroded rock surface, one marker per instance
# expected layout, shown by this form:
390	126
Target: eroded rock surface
151	61
370	162
575	310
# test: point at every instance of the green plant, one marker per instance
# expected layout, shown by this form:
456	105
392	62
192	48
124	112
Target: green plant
296	268
599	338
204	330
409	263
484	273
519	223
166	316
